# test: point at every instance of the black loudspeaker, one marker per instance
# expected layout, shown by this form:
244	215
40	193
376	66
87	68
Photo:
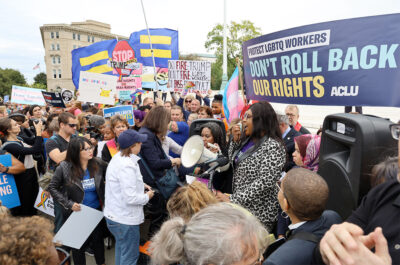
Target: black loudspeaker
196	126
351	145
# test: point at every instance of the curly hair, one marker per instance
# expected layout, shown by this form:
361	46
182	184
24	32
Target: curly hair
190	199
25	241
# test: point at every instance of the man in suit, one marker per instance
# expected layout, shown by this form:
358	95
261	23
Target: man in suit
288	134
302	196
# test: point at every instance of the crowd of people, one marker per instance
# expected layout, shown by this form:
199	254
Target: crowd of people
268	206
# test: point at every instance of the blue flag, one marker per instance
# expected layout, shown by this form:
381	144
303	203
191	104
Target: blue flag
164	42
93	59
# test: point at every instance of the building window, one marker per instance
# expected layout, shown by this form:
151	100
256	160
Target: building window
54	73
52	35
88	38
79	36
59	73
92	39
59	59
52	47
54	60
57	36
58	47
74	36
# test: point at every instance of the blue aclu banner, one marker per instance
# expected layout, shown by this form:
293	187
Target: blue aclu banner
8	188
345	62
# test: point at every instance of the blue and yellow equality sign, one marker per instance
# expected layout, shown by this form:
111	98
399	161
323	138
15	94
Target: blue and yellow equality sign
345	62
114	57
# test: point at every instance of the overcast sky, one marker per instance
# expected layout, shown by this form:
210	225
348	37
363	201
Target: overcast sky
21	45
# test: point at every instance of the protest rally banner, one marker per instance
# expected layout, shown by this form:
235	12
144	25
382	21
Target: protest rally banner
189	75
8	188
127	86
53	99
161	79
97	88
112	57
44	203
6	98
27	95
67	95
352	62
125	111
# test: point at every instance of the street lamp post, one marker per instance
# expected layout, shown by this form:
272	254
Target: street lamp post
224	63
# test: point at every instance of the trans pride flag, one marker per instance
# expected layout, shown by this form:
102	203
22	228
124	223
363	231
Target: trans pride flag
232	101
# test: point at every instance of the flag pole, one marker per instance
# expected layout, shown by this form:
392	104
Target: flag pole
241	80
151	46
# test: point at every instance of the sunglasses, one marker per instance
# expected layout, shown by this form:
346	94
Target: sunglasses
395	130
72	125
63	256
188	101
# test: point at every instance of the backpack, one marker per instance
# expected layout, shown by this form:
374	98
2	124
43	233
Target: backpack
44	179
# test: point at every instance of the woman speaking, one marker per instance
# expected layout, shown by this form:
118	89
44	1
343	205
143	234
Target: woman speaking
257	158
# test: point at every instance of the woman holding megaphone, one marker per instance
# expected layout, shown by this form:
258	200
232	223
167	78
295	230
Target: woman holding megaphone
257	155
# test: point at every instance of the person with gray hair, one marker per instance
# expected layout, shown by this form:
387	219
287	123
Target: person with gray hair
292	111
222	234
288	135
96	121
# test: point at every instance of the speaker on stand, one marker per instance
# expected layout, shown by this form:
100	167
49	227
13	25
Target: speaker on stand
351	145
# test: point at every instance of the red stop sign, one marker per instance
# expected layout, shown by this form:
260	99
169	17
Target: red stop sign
121	54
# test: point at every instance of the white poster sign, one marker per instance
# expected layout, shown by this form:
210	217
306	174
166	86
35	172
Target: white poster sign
189	75
78	227
97	88
44	203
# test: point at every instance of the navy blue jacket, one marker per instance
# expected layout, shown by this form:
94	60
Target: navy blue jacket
154	156
299	251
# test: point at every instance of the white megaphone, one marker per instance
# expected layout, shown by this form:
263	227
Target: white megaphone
194	152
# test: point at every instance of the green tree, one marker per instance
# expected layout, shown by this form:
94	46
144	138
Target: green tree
41	78
237	33
8	78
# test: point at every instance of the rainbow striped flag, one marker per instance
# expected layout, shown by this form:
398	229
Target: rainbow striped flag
232	101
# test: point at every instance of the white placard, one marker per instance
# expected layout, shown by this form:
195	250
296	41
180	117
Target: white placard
97	88
78	227
189	75
44	203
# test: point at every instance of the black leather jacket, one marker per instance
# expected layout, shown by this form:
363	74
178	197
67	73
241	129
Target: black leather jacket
66	191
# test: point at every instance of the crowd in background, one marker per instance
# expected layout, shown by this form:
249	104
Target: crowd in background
268	205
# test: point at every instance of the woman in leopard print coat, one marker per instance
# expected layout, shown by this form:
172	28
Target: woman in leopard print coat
257	159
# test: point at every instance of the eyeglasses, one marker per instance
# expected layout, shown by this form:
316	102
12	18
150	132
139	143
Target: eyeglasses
278	184
290	115
88	148
63	256
395	130
188	101
72	125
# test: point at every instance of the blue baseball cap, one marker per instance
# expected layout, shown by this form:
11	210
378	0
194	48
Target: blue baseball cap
130	137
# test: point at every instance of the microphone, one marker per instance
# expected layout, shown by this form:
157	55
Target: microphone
220	161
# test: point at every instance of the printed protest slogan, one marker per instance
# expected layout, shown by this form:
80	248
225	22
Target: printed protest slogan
53	99
27	95
189	75
345	63
8	189
125	111
97	88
